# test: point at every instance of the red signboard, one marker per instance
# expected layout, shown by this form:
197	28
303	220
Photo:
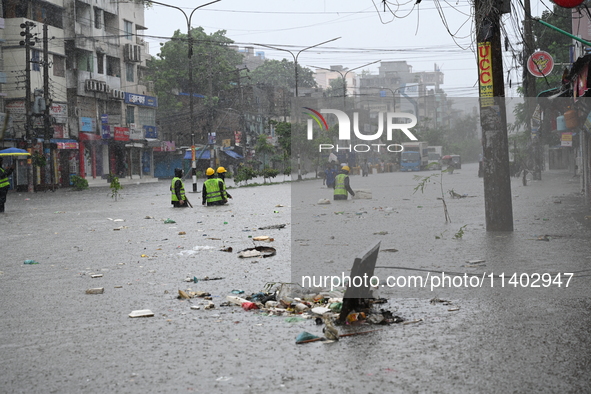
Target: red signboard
540	64
568	3
121	133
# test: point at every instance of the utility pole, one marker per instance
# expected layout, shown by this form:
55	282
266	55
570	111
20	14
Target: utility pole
47	134
529	82
493	117
28	43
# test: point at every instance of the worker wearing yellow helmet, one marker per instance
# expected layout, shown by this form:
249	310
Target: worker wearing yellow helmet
341	185
213	190
221	171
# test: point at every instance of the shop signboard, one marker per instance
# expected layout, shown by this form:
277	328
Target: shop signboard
59	113
485	74
540	64
87	124
140	99
121	133
106	131
566	139
150	132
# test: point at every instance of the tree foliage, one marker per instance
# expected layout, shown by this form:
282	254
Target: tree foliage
213	65
336	87
281	73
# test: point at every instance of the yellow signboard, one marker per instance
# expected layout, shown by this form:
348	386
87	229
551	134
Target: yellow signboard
485	77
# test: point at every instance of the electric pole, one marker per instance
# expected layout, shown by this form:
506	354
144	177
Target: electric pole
529	84
493	117
28	43
47	132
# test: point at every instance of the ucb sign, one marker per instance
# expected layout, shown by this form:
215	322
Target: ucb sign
345	129
91	85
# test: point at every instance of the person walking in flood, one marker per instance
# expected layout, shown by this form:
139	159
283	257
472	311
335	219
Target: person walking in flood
213	190
222	175
4	184
177	189
342	186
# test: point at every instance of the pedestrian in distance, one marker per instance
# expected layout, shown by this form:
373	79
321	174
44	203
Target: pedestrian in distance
342	188
365	168
222	175
330	175
177	190
4	184
213	190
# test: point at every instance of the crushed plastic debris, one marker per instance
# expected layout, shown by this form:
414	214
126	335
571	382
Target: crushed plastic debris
323	201
31	262
274	226
362	194
167	221
265	238
258	251
96	290
142	313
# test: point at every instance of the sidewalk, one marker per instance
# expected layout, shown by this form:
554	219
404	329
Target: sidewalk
135	180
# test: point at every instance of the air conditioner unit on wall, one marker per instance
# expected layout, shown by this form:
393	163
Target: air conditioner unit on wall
128	53
137	53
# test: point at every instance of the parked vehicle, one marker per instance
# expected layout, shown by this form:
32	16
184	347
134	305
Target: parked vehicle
415	156
434	158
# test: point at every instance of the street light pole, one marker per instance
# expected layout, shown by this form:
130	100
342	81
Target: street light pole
295	61
295	57
190	56
344	77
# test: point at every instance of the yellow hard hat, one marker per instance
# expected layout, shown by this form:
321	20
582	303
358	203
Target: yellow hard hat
221	170
209	171
346	168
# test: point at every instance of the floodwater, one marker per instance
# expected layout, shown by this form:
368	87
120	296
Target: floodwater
497	337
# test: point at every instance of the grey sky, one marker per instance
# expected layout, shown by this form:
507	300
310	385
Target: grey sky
416	34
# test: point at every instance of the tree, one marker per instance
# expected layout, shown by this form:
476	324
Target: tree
336	87
264	148
214	71
281	73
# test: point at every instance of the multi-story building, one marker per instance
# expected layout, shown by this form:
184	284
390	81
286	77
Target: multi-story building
102	111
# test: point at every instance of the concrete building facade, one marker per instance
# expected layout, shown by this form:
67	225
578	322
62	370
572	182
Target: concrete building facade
102	111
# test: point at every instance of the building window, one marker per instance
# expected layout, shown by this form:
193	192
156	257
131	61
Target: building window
129	72
128	27
59	66
130	114
100	63
85	61
98	18
147	116
113	67
35	60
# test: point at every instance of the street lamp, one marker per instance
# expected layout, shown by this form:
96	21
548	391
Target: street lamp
295	61
394	95
344	77
190	56
295	57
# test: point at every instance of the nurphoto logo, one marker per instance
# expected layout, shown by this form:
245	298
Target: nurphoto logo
392	123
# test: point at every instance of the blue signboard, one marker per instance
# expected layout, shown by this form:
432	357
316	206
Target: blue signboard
106	131
150	132
140	99
86	124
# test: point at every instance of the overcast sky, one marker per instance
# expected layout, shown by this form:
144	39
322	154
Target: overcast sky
406	31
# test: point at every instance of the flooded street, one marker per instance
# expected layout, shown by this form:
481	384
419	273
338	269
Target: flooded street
493	337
